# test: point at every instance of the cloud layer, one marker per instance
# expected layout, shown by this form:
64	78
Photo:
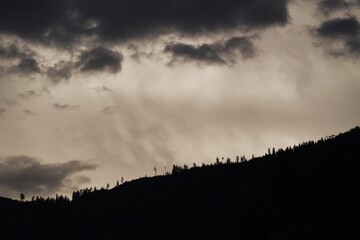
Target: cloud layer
89	29
23	61
65	22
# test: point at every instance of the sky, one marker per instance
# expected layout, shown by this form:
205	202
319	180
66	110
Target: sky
92	91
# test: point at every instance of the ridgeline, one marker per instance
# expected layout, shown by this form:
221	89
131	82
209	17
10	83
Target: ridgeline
302	192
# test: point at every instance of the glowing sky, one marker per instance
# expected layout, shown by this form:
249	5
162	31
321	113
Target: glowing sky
94	90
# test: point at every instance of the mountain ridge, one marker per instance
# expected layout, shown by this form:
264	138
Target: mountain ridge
306	191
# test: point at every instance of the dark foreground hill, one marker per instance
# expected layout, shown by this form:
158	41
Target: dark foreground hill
304	192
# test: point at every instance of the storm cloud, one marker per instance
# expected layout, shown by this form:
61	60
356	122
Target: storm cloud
343	31
13	51
29	175
60	72
65	22
100	59
25	57
339	28
185	52
27	65
80	27
223	52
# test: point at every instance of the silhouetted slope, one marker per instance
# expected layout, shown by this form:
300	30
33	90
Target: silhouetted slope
306	192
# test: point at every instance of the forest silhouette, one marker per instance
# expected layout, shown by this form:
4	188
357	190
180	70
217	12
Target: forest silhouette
301	192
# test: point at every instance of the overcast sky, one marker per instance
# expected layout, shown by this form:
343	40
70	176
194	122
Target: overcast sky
93	90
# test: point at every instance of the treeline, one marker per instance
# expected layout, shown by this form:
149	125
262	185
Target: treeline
301	149
58	199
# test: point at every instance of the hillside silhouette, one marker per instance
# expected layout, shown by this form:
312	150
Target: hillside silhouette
301	192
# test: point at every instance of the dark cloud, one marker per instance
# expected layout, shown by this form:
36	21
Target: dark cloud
92	60
204	53
341	31
29	175
26	66
64	22
353	47
223	52
111	110
2	111
60	72
15	52
100	59
349	50
65	106
329	6
42	21
127	19
339	28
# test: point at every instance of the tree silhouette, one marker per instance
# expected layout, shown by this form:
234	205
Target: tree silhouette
176	169
22	196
